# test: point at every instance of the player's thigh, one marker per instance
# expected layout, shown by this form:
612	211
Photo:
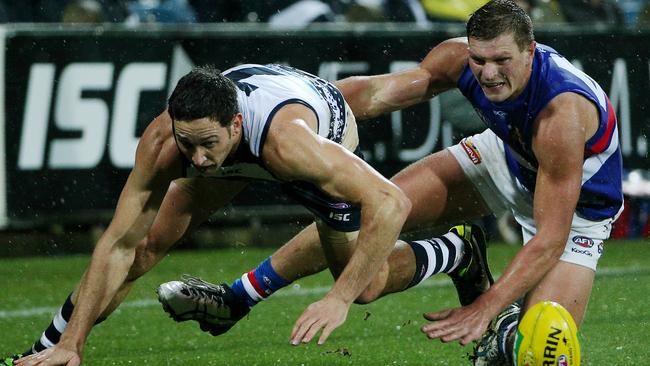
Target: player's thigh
568	284
338	246
188	203
439	191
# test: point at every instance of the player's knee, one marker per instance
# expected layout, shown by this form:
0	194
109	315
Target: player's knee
367	296
146	256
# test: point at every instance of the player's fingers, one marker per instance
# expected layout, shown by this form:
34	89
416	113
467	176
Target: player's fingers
302	328
295	328
311	333
42	358
298	324
452	335
437	325
27	361
438	315
469	338
439	329
435	334
326	333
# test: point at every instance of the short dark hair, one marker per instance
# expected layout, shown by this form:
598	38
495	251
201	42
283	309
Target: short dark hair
499	17
204	92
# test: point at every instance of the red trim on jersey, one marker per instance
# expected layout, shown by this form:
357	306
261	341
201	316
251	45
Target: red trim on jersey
256	285
601	144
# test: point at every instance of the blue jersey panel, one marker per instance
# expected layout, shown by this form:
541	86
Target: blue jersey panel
513	121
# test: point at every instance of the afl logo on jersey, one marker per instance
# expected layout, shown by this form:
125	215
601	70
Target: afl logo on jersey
583	241
471	151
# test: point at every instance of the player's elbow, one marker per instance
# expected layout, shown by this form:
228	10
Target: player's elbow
557	248
555	240
125	252
360	94
552	249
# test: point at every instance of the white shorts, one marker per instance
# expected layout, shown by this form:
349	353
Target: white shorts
482	158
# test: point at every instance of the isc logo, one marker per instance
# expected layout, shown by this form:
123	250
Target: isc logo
87	116
340	216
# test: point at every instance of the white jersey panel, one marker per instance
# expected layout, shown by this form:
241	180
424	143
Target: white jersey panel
264	89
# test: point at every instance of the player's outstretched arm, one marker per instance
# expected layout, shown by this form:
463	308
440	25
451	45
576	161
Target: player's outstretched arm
294	152
371	96
559	149
157	164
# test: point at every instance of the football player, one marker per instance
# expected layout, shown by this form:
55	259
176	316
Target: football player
550	155
220	132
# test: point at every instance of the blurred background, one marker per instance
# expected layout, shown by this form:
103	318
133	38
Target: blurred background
81	79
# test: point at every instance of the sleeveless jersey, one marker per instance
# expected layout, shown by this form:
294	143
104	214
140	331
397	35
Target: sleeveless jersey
261	91
513	121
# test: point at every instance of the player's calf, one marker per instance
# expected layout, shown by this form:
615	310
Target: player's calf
461	254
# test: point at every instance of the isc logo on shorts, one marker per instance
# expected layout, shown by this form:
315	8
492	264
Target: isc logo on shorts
471	151
339	216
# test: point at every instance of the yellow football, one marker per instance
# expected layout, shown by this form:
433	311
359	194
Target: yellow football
547	335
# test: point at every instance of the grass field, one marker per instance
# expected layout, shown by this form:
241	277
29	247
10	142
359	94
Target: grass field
616	330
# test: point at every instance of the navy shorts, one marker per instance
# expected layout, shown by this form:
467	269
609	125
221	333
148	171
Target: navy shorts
340	216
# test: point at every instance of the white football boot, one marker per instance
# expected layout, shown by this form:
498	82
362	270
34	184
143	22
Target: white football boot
215	307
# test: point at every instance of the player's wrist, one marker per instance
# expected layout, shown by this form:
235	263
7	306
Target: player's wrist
491	302
338	296
72	343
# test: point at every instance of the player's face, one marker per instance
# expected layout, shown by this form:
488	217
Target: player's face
500	67
206	143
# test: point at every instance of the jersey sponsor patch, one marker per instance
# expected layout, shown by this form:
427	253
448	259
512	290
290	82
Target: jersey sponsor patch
471	151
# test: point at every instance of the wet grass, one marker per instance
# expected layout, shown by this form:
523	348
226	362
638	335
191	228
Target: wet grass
615	331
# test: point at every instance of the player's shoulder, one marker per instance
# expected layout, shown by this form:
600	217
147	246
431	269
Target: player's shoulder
158	131
447	60
457	42
157	151
452	48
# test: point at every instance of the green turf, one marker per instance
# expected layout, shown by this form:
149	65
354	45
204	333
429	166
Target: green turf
615	332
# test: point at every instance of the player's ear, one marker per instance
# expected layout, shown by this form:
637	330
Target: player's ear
237	122
531	48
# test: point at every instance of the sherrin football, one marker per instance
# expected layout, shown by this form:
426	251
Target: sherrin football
547	335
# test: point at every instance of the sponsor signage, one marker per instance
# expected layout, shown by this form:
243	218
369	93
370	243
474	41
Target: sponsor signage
76	102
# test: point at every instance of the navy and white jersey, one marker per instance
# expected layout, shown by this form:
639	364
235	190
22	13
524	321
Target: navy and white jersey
261	91
513	121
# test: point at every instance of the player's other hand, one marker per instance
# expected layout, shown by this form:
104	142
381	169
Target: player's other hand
51	357
326	315
465	324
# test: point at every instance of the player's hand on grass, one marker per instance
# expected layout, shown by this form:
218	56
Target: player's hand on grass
51	357
326	315
465	324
